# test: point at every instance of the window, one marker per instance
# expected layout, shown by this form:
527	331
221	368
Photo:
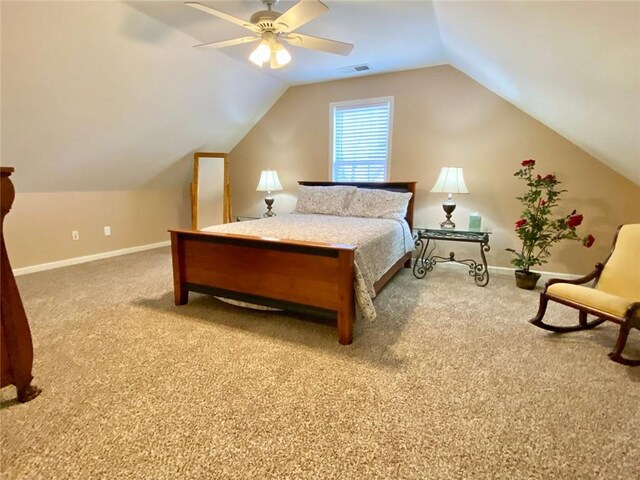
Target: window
361	140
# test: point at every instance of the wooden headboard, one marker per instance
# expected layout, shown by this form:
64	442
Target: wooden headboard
391	186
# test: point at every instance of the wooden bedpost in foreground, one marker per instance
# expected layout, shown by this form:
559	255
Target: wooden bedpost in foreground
181	294
346	301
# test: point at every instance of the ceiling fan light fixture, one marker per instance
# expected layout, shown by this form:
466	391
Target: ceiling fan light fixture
283	56
272	52
261	54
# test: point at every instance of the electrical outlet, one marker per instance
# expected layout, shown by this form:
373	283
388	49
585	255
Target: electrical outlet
75	235
107	231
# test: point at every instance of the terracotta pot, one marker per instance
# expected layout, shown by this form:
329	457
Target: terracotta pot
526	280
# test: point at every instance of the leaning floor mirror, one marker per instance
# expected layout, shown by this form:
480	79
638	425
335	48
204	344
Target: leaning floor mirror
210	190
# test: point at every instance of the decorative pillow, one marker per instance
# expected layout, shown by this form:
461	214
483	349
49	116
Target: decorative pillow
379	204
325	200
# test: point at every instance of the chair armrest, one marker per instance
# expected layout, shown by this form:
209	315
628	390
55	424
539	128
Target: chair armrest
631	311
578	281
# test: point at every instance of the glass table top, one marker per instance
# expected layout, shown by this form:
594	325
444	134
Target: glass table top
439	229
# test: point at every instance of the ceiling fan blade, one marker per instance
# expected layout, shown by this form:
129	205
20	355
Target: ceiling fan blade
229	43
318	43
224	16
302	12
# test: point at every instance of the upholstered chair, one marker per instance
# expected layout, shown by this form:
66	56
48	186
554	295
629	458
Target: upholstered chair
614	294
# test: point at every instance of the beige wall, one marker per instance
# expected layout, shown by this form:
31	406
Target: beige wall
38	228
441	117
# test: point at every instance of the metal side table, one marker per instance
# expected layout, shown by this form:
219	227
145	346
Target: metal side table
425	239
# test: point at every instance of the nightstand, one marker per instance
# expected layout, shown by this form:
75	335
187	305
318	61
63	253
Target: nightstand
425	261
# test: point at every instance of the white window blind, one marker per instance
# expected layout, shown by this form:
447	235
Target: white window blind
361	133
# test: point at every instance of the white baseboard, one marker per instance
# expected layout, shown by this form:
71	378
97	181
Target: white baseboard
140	248
509	271
87	258
544	274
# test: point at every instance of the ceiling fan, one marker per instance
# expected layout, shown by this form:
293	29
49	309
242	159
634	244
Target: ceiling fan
273	28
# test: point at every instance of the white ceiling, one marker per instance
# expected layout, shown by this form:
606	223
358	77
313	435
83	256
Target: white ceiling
575	66
96	68
388	35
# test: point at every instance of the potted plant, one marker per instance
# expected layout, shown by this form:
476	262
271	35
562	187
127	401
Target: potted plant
539	227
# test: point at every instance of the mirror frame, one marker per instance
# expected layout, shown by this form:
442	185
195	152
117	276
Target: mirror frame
226	199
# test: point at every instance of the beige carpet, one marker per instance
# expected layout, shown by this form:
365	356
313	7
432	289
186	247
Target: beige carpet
449	382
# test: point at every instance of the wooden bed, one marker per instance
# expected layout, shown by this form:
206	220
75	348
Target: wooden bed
305	277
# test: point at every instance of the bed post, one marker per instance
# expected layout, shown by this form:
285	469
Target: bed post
411	187
346	305
181	294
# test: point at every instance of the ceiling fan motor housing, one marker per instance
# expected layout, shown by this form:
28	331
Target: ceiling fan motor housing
264	19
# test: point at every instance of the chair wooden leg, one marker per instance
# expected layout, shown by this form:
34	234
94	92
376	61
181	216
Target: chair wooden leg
582	318
542	308
616	355
583	324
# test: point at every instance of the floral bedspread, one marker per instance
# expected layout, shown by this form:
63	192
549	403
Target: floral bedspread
380	243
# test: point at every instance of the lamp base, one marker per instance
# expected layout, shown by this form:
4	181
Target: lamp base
269	212
448	224
449	206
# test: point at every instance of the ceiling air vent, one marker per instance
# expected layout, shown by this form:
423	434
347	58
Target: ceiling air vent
355	68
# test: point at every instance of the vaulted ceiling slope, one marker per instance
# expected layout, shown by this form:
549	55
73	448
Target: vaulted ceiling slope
574	66
99	96
112	96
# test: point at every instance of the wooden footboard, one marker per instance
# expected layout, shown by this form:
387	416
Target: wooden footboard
298	276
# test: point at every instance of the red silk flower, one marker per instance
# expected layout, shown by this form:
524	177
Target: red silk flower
574	221
521	223
588	241
528	163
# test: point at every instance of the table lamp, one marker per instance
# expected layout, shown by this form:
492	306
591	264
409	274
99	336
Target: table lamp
269	182
451	180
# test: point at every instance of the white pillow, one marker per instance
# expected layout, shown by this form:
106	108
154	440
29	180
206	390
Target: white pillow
379	204
324	200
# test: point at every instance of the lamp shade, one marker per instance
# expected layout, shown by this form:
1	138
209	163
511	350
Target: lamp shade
269	181
451	180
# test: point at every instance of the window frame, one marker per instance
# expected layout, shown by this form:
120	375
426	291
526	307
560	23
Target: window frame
360	103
